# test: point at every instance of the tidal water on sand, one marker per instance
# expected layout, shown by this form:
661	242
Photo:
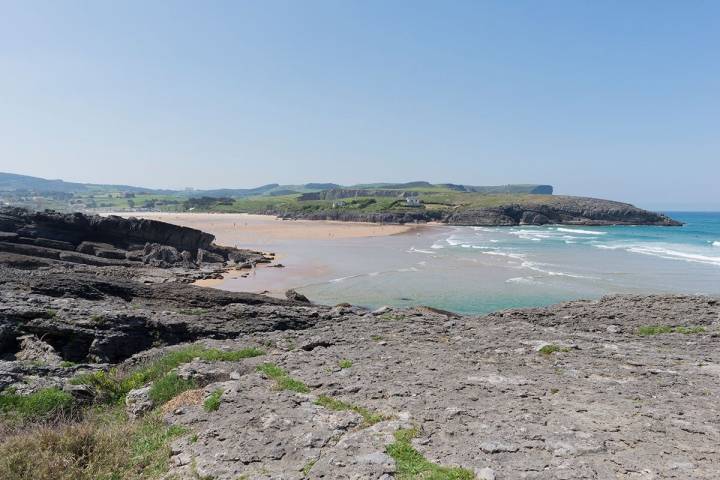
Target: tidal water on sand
482	269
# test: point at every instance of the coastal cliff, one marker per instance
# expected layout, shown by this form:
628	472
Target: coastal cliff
115	241
525	210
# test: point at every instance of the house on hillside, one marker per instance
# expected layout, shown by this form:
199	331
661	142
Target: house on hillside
412	201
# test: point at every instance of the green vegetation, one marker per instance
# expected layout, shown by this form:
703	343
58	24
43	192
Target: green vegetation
50	313
67	364
282	379
103	445
41	405
661	329
550	349
213	401
113	385
58	440
308	466
411	465
345	363
168	387
369	417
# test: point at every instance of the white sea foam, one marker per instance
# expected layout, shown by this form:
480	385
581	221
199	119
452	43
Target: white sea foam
580	231
671	253
675	254
437	246
525	280
420	250
714	244
342	279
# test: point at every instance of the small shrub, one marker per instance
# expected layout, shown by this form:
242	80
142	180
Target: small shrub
376	338
550	349
168	387
282	379
212	402
412	465
345	363
67	364
51	313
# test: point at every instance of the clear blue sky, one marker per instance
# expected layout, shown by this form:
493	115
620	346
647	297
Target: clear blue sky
614	99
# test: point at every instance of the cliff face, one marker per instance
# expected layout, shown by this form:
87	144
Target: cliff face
563	210
554	210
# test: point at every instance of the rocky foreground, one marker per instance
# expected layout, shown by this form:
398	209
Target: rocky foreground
622	387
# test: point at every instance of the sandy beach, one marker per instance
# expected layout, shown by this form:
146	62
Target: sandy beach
302	246
245	229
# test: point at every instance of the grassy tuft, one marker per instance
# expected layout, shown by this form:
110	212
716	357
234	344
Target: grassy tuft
282	379
113	386
412	465
41	405
648	330
212	402
369	417
169	387
550	349
345	363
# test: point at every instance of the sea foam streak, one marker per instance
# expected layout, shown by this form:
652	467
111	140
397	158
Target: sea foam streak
584	232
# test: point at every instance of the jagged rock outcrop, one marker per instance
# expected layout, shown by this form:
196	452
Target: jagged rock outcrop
112	241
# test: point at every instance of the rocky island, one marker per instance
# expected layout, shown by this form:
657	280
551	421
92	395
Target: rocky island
113	366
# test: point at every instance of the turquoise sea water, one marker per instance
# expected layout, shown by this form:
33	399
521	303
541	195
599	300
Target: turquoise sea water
482	269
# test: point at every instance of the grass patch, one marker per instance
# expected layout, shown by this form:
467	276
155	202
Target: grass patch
412	465
648	330
550	349
104	445
308	466
282	379
67	364
395	317
376	338
345	363
369	417
169	387
50	313
41	405
113	386
212	403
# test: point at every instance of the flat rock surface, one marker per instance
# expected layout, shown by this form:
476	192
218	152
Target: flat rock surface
610	404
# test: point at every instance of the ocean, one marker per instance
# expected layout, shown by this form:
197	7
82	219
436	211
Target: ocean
483	269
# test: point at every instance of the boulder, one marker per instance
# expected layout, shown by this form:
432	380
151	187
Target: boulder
158	255
35	350
296	297
138	402
204	256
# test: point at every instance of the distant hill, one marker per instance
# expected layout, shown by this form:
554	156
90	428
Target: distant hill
10	182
